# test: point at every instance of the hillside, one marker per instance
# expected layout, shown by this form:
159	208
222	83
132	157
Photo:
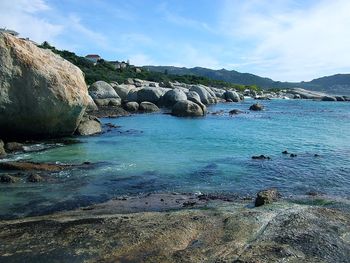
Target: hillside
336	84
106	71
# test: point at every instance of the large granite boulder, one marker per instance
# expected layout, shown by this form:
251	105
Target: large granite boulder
194	97
307	94
147	106
187	108
232	96
103	94
173	96
90	125
123	90
132	95
150	94
41	94
206	95
219	93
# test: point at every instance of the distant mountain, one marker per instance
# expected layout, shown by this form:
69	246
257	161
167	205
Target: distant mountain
336	84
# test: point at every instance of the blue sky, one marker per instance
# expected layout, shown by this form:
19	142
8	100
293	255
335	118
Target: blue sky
287	40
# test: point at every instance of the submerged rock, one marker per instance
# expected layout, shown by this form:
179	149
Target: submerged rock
256	107
187	108
34	178
260	157
147	106
8	179
90	125
41	93
235	112
266	197
32	166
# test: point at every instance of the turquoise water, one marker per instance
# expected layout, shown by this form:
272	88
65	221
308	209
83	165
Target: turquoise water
162	153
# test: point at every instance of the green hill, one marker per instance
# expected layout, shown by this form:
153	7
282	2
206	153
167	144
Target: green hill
106	71
336	84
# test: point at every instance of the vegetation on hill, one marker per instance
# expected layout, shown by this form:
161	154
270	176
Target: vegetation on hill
336	84
106	71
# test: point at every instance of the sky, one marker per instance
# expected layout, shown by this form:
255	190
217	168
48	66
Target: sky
286	40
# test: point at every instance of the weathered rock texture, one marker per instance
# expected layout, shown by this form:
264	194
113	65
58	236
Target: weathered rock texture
90	125
41	94
187	108
230	232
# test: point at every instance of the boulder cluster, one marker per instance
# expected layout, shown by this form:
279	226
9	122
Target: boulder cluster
136	95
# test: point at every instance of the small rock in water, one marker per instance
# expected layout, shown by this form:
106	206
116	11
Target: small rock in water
256	107
235	112
261	157
5	178
111	125
266	197
220	112
285	152
317	155
293	155
34	178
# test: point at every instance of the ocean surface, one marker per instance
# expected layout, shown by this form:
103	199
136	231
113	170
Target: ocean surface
161	153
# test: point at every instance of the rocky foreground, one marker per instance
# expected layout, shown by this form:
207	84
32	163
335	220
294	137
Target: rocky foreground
181	228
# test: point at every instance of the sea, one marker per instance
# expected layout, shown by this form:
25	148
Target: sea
160	153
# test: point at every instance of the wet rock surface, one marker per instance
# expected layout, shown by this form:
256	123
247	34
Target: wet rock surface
33	166
256	107
215	231
267	197
110	112
8	179
89	125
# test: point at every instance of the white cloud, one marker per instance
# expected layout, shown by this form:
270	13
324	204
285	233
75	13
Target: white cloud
22	16
292	41
180	20
189	56
141	59
74	24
